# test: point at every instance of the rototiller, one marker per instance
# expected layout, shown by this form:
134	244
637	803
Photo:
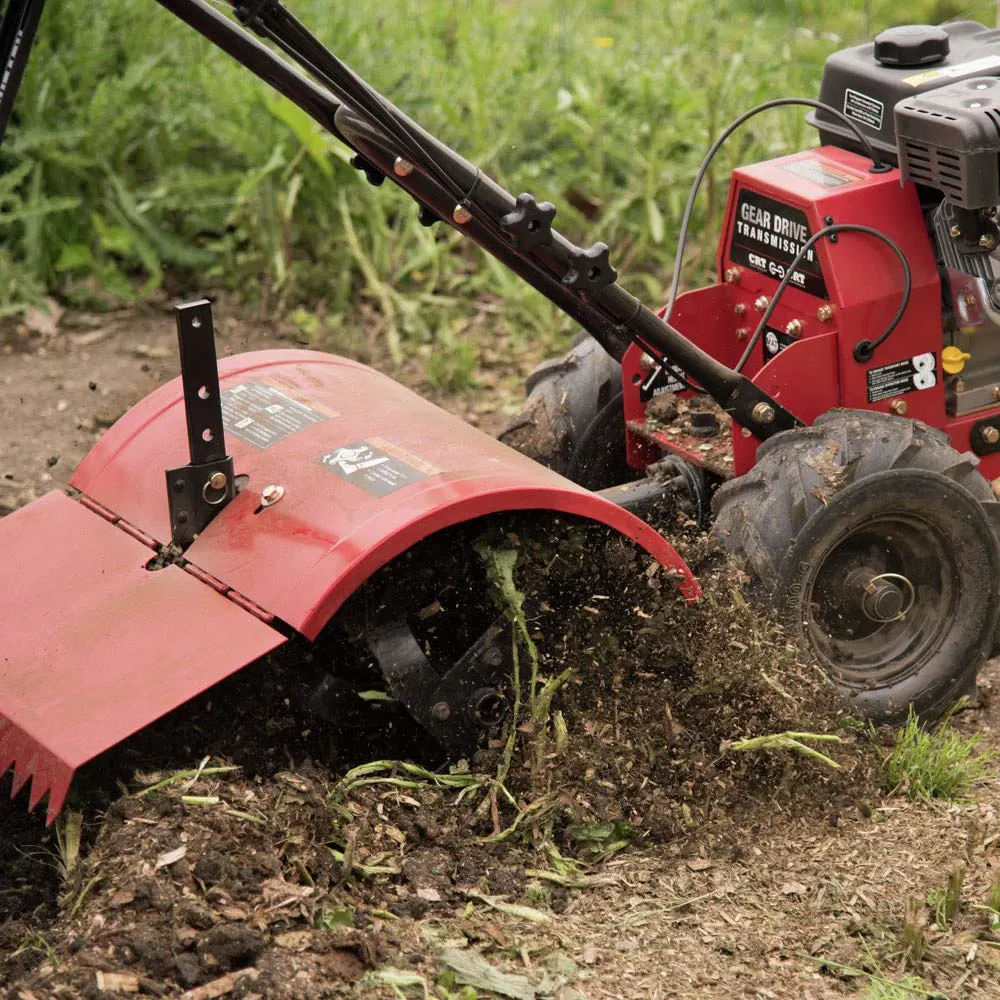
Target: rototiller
822	396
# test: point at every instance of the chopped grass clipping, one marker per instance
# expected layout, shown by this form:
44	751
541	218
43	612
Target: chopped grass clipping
796	742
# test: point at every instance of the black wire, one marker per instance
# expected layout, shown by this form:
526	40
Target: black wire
696	186
864	349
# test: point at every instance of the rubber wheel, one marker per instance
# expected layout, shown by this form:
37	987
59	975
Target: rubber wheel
573	419
875	542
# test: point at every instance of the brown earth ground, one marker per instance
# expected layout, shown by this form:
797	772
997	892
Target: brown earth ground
637	855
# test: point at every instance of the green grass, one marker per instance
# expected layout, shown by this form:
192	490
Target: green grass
140	150
940	763
907	988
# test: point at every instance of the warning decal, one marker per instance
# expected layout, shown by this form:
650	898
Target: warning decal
378	466
262	415
812	168
767	236
657	382
864	109
981	66
911	375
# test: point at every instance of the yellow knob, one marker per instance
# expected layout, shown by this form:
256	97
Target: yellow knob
953	359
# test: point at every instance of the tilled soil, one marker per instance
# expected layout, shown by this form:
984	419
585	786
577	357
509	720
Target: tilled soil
629	851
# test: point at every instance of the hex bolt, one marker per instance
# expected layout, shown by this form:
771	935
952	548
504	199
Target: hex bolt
217	481
461	215
742	333
990	435
740	309
825	313
969	299
955	232
763	413
794	328
987	242
959	385
899	407
270	495
732	275
761	303
996	393
646	362
441	711
402	168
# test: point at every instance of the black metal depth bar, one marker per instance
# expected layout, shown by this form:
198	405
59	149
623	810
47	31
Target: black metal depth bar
196	492
200	379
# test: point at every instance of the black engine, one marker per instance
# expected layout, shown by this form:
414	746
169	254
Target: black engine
929	99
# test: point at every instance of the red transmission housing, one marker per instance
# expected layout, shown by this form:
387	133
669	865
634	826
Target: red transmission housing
847	291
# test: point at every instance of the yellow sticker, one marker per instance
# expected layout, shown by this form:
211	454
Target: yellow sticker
970	68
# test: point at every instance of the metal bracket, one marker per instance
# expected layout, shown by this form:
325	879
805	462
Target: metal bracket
460	706
984	436
196	492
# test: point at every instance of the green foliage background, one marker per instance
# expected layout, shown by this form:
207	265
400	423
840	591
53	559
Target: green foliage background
140	151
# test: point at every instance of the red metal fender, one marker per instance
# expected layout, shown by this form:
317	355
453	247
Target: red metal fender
94	647
367	469
95	644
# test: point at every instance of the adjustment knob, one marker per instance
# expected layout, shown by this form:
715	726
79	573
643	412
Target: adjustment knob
911	45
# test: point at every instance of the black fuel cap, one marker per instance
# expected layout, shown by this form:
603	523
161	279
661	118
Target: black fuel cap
911	45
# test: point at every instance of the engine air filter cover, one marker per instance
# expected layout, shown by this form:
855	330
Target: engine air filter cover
949	140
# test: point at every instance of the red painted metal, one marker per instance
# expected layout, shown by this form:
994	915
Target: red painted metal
863	278
863	281
123	646
301	558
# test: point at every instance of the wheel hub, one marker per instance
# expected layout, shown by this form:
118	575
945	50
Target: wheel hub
880	597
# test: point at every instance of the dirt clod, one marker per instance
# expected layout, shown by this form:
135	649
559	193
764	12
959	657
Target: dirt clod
230	946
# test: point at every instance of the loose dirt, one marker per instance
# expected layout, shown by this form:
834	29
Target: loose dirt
629	850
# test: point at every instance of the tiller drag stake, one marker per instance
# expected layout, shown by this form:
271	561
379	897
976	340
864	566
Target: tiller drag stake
198	491
833	399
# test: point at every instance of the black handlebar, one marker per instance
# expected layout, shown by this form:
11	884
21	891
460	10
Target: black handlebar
17	32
